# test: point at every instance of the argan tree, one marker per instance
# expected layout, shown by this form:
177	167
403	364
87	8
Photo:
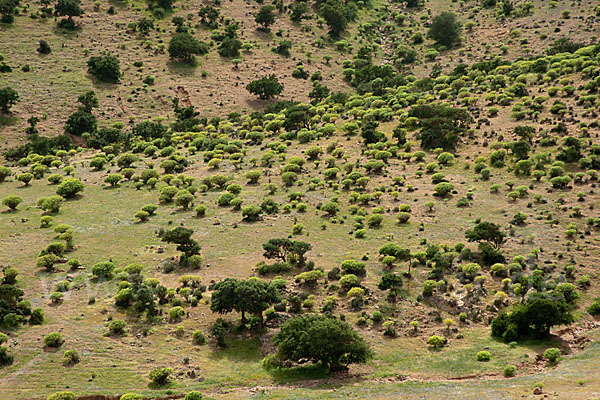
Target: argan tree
266	87
318	338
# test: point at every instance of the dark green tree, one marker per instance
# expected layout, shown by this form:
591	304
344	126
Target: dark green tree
150	130
540	312
441	126
265	17
69	9
318	92
88	100
105	68
520	149
286	250
369	132
391	282
265	87
297	116
182	237
445	29
297	10
318	338
7	11
80	122
183	47
487	232
8	98
144	25
337	15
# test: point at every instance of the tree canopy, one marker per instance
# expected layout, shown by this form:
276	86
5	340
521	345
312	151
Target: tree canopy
183	47
265	87
486	231
252	296
445	29
322	339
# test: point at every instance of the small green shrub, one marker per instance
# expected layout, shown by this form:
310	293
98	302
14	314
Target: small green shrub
160	376
117	327
53	339
62	396
509	371
193	396
552	354
437	342
71	357
198	337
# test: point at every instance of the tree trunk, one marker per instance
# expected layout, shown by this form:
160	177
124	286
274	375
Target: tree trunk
260	320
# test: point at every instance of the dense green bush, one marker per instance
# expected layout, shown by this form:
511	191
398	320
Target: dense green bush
105	68
62	396
509	371
69	188
53	339
484	356
160	376
552	354
131	396
117	327
193	396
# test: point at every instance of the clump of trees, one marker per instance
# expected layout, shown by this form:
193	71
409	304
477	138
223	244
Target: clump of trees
441	126
14	310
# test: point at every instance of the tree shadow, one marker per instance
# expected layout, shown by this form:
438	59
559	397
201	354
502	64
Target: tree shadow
245	350
157	386
181	68
8	120
299	373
